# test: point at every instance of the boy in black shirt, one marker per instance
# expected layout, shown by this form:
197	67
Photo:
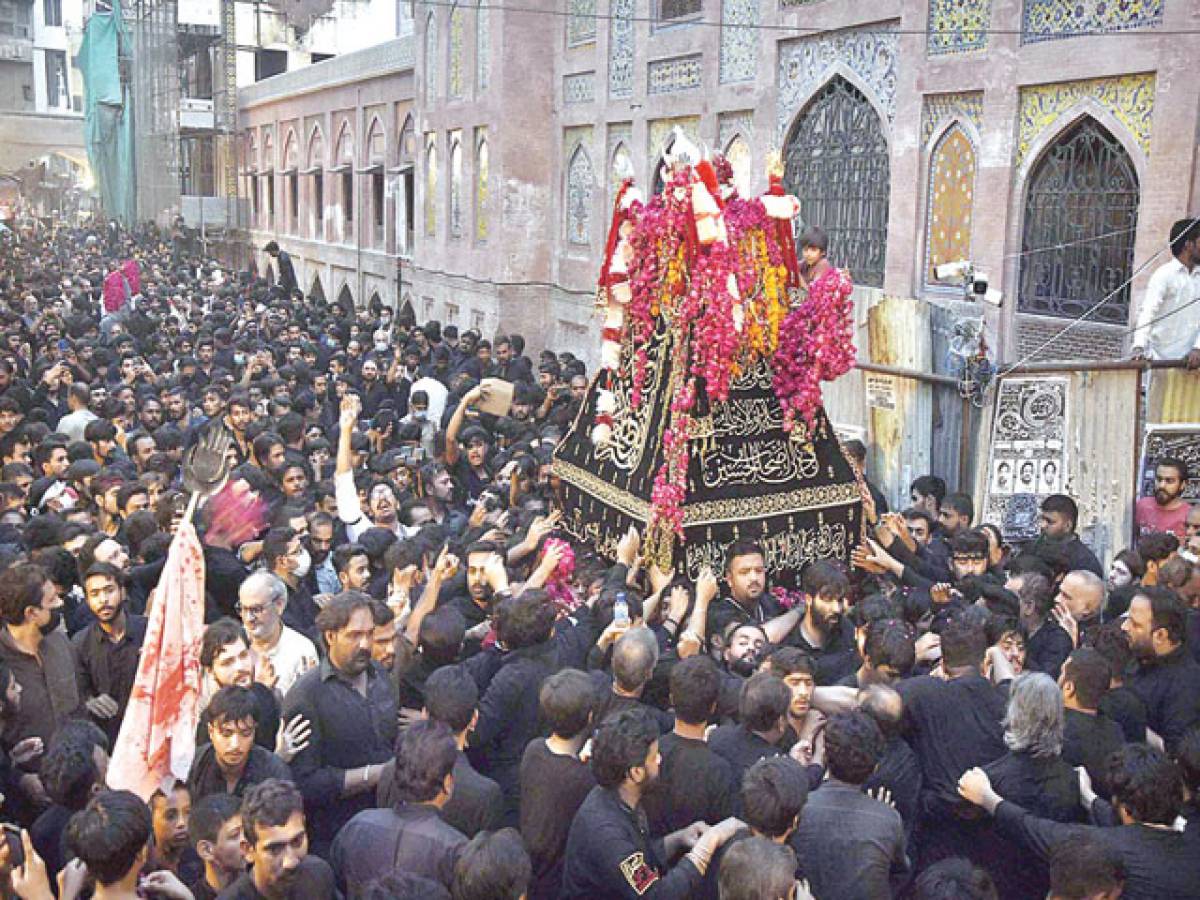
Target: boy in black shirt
215	829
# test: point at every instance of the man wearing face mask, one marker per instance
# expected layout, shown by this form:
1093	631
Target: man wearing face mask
38	653
286	557
418	414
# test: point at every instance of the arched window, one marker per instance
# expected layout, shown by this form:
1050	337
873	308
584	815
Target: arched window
837	165
317	291
456	188
406	213
431	185
343	164
1081	209
315	166
454	71
268	168
622	167
345	298
291	184
952	167
482	174
431	59
580	182
741	161
374	188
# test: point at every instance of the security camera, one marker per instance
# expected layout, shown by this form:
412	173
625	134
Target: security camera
952	271
979	284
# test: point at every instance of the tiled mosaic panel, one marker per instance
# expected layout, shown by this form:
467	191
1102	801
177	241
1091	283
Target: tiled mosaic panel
938	108
1050	20
739	45
454	74
1130	99
958	26
581	22
666	76
579	88
483	46
581	180
620	49
660	132
807	63
482	173
431	185
431	59
456	186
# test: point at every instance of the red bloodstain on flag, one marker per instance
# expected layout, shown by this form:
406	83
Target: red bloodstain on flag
158	736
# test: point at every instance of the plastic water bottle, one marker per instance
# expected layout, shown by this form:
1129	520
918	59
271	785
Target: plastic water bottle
621	610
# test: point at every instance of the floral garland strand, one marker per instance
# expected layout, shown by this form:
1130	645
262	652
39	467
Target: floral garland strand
816	343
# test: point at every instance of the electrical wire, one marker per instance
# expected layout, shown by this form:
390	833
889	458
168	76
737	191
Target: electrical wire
795	29
1065	244
1096	306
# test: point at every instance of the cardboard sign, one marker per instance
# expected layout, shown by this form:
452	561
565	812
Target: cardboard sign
497	396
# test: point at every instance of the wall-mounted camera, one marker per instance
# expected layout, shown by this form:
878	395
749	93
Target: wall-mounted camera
975	283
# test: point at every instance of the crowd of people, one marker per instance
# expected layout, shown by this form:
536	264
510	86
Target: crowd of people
417	686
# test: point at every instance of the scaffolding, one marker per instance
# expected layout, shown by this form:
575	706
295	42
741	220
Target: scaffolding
184	79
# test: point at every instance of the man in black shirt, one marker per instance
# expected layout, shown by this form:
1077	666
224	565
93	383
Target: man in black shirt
232	762
952	723
106	652
1148	790
773	793
276	847
452	698
1090	738
286	279
1168	678
609	850
226	660
1060	515
351	705
762	723
846	838
695	784
410	836
749	601
825	632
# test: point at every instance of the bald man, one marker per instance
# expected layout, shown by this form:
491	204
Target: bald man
1082	592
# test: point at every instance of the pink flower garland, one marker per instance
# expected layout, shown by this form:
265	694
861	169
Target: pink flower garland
674	277
816	343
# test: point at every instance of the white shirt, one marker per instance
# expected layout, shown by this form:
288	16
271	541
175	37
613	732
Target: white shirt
292	656
1172	287
73	424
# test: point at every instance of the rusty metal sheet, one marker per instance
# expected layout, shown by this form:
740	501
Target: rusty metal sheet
899	335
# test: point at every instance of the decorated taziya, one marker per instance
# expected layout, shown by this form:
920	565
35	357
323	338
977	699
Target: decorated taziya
720	273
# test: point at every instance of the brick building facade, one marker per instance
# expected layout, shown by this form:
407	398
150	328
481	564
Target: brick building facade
1051	144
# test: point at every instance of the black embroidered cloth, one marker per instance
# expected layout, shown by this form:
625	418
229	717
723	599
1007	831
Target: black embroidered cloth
796	495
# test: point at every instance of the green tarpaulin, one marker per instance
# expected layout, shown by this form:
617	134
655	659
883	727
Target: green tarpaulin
108	112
